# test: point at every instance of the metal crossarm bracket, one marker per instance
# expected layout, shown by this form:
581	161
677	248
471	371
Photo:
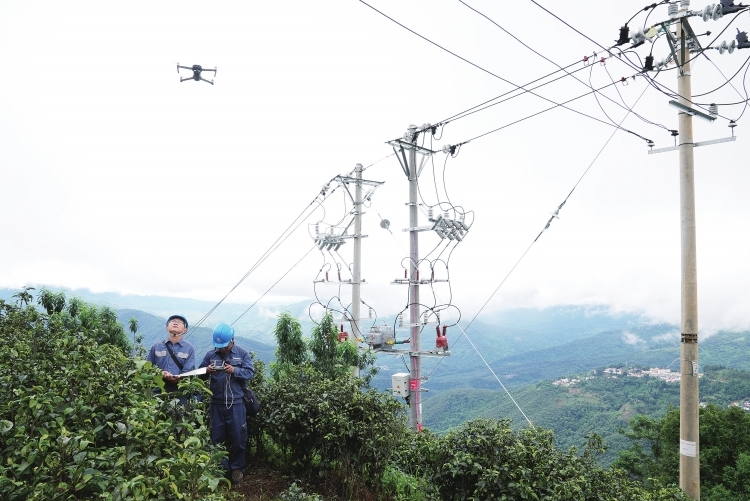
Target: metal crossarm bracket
399	148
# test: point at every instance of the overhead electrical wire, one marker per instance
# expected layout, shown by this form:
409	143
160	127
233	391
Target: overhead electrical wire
280	240
671	93
484	69
543	230
617	127
560	67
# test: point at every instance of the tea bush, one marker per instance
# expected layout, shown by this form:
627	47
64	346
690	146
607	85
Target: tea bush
78	419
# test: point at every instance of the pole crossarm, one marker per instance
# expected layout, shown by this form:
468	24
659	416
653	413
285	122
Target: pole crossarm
695	145
400	148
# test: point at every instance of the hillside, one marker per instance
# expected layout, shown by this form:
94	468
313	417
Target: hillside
602	404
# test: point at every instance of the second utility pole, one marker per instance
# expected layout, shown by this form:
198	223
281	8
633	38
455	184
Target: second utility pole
415	408
689	401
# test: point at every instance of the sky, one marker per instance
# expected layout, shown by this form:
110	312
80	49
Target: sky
117	177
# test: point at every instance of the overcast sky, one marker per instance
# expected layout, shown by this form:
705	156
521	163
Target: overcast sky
117	177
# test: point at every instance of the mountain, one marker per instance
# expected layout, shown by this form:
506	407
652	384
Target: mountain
595	404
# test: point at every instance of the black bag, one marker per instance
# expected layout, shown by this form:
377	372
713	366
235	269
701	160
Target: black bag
252	406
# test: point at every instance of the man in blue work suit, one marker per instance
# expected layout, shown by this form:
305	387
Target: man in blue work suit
173	355
229	367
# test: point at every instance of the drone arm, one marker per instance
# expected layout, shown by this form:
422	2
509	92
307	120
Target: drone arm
183	79
209	81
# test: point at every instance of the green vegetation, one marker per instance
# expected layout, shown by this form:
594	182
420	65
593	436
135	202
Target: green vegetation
724	451
79	420
601	405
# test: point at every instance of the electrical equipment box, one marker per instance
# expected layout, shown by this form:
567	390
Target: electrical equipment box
375	338
400	384
381	337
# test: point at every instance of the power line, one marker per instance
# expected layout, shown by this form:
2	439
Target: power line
263	257
481	68
617	127
545	227
560	67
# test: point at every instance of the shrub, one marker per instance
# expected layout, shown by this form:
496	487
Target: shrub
78	419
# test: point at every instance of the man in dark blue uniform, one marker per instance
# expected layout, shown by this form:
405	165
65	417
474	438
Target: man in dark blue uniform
173	355
230	367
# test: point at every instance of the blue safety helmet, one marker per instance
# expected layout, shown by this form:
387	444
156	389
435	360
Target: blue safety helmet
223	335
184	320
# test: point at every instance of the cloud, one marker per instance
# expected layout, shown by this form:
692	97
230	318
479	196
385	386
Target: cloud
632	338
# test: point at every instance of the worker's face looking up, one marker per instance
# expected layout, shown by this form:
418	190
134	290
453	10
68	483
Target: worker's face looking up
176	328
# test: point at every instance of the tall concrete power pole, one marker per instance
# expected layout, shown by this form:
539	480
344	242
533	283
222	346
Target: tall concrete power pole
689	400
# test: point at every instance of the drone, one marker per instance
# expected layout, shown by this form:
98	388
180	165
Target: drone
197	69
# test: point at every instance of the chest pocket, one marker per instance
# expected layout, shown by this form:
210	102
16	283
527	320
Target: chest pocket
160	353
182	354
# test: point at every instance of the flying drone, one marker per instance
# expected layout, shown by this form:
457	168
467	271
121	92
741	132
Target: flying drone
197	69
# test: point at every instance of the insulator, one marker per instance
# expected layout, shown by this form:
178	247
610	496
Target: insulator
684	4
369	312
404	272
446	215
717	12
317	229
732	46
417	275
672	9
326	276
432	275
400	319
706	15
437	316
462	217
723	47
713	109
425	317
430	214
339	275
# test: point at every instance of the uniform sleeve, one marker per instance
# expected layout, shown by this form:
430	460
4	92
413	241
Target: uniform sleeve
245	371
152	355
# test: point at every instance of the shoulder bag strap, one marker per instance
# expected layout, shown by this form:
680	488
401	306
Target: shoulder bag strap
176	360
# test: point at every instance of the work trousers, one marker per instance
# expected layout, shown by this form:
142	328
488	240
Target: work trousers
229	426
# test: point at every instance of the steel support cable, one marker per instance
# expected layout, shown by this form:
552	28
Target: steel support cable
728	80
544	229
282	238
267	291
276	283
518	87
560	67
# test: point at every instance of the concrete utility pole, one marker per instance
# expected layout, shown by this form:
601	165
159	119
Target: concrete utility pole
689	401
357	266
415	368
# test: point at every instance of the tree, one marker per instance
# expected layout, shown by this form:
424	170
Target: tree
291	349
724	451
24	296
333	358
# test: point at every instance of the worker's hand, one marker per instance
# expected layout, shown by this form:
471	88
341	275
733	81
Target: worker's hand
229	369
210	369
169	377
